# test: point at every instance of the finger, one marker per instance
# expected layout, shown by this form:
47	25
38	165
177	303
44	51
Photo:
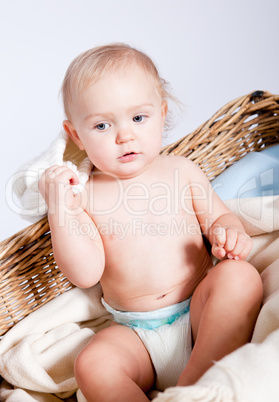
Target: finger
231	239
50	170
74	180
44	179
247	250
64	174
56	170
219	236
218	252
240	246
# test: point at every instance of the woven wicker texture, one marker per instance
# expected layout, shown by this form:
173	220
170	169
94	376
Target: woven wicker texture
29	275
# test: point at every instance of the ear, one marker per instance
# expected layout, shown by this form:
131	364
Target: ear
164	111
72	133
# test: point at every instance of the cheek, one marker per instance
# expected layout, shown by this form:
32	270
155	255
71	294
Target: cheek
156	138
98	151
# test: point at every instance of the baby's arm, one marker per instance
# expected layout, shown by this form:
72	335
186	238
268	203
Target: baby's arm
223	229
79	255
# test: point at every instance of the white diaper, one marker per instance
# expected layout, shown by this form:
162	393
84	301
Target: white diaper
169	345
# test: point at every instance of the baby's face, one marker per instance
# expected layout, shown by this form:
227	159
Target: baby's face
119	122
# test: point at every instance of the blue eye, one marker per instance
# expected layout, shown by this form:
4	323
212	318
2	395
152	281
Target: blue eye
102	126
139	119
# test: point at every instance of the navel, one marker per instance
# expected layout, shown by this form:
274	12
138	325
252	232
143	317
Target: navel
161	297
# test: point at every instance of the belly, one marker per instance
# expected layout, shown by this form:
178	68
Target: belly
149	281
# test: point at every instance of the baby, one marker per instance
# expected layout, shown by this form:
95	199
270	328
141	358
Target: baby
138	228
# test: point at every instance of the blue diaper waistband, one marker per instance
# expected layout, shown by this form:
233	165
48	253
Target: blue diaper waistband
149	319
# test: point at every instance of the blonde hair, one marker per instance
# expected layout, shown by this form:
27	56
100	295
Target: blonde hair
91	65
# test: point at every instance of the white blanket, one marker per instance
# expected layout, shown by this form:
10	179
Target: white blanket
37	355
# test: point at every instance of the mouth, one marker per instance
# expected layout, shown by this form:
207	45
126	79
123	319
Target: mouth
128	157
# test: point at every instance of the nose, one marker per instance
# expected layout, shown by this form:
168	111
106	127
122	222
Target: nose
124	134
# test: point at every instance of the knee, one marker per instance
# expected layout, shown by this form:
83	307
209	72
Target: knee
82	367
89	366
82	364
241	281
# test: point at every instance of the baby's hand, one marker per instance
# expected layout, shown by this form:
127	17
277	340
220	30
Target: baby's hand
55	185
231	243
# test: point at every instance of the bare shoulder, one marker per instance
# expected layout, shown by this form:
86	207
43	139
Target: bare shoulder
180	162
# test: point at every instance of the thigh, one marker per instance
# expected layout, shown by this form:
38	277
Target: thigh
120	348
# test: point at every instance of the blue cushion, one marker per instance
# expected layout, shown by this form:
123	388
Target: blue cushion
255	175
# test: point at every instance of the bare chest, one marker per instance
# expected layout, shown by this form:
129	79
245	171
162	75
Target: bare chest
158	199
135	215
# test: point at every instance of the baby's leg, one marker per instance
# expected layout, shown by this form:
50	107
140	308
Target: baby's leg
114	366
223	311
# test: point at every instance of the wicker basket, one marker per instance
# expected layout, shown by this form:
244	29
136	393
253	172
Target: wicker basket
29	275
